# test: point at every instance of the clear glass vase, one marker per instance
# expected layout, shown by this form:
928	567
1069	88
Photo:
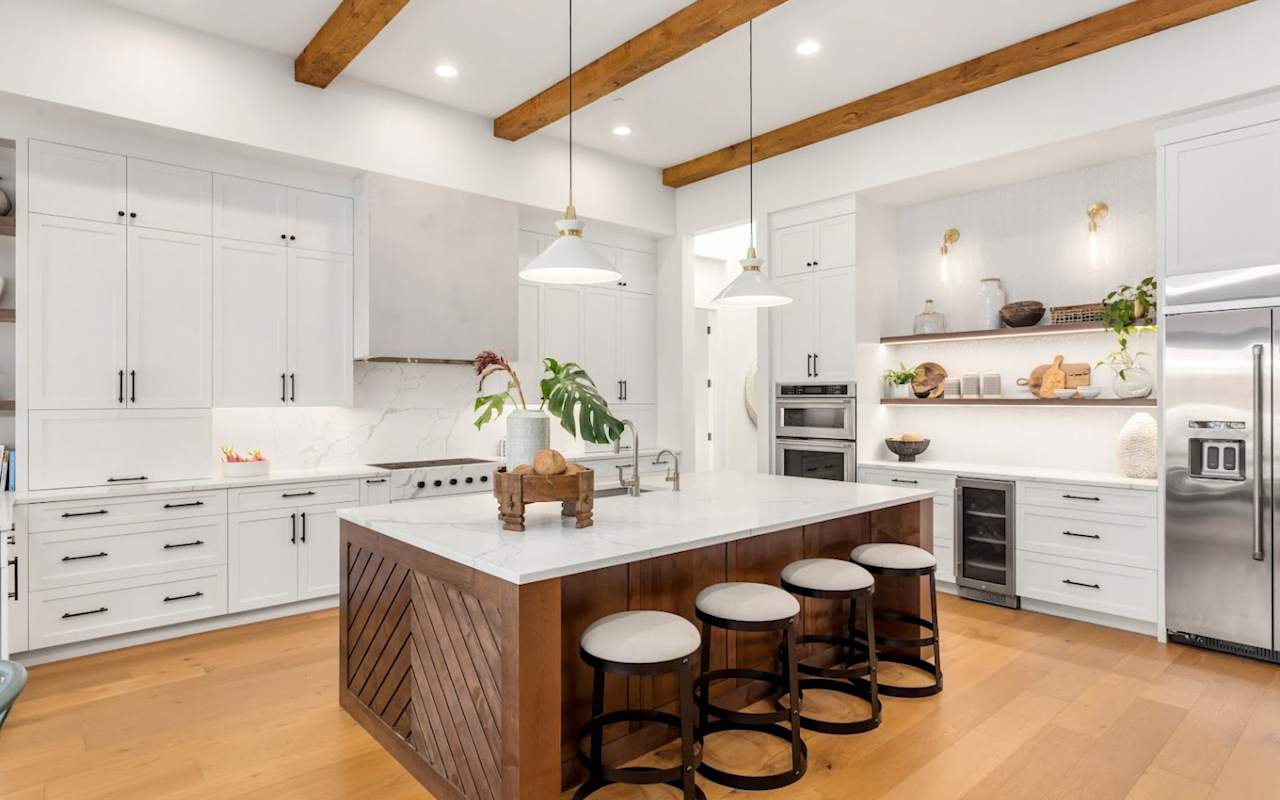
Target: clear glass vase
1133	382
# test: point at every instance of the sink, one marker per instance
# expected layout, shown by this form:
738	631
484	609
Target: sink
619	491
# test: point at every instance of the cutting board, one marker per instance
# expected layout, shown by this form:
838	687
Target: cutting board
1076	375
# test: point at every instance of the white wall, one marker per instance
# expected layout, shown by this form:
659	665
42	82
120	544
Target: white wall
732	358
95	56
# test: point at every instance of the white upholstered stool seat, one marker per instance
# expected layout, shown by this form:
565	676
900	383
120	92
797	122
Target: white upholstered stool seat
889	555
747	602
641	637
827	575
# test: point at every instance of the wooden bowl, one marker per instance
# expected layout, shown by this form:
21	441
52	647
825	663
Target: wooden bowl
906	451
1022	314
928	380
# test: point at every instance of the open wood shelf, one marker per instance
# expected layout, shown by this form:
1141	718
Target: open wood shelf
8	406
999	333
8	226
1021	401
8	315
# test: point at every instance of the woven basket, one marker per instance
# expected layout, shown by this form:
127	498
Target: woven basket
1065	315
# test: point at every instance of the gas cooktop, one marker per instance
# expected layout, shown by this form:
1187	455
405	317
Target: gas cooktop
434	477
435	462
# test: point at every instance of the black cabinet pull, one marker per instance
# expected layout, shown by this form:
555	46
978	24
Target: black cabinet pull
904	480
123	480
808	362
120	386
293	388
307	493
69	615
1081	535
1078	583
169	599
183	544
293	521
284	395
624	390
815	359
184	505
375	480
97	513
304	527
13	562
1082	497
82	558
133	386
619	390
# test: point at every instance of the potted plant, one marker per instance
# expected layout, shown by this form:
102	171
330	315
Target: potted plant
899	381
1125	311
568	393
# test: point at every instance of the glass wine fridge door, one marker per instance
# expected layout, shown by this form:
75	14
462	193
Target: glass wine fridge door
985	541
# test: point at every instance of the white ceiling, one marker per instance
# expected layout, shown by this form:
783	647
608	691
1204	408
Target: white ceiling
508	50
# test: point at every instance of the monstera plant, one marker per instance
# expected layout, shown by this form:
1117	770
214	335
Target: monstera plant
568	394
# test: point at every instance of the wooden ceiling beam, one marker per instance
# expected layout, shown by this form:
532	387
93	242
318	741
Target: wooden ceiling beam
349	29
686	30
1100	32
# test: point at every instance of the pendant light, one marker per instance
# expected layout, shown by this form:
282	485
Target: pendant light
570	259
751	289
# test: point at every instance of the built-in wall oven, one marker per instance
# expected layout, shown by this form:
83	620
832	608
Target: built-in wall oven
816	431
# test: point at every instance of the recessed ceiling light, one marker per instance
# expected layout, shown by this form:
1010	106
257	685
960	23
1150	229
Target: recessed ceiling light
621	130
447	71
808	47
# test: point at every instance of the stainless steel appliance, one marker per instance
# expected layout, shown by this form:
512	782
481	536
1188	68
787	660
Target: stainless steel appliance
1220	556
985	541
416	480
816	431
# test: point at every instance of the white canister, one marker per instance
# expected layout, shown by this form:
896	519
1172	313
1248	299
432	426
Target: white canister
527	433
991	298
970	385
951	389
991	384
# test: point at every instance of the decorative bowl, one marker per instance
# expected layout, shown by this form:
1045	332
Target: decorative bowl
246	469
1066	394
1089	392
1022	314
906	451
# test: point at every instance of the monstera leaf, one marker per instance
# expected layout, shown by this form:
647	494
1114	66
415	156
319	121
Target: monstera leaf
572	397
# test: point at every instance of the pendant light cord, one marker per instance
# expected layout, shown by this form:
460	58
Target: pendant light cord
571	103
751	135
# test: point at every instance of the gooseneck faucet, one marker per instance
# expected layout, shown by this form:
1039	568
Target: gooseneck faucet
632	484
673	469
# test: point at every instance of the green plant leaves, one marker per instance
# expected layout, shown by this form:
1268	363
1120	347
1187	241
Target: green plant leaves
572	397
491	406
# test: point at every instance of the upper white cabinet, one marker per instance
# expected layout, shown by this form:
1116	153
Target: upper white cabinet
1222	201
637	348
795	246
834	337
251	211
320	371
320	222
813	336
75	182
600	342
793	326
561	328
639	271
836	243
169	198
94	448
825	244
250	323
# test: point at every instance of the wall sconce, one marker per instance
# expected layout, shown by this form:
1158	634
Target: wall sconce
949	237
1096	213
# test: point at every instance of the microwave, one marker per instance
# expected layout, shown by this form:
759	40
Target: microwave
816	411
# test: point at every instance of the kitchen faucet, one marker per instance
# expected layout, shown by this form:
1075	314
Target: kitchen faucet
632	484
673	470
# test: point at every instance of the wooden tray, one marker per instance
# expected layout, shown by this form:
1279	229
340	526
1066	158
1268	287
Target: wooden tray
575	492
1077	375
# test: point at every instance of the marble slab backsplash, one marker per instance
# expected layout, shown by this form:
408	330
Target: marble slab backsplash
400	412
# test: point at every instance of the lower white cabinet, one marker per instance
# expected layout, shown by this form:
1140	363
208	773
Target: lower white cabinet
375	491
1093	585
106	448
77	613
283	555
15	593
111	552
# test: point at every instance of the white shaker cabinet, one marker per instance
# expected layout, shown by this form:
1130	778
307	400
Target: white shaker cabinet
638	348
319	551
262	559
320	222
795	247
108	447
825	244
320	335
601	350
16	565
250	324
793	326
169	198
561	323
639	271
251	211
76	182
813	336
76	337
168	320
834	346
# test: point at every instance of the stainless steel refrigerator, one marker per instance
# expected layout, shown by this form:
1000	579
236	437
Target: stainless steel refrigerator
1220	554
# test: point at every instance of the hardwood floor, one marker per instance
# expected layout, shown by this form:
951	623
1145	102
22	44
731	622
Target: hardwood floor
1034	707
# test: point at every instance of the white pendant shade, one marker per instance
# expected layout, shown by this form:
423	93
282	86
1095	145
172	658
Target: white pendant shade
570	259
751	289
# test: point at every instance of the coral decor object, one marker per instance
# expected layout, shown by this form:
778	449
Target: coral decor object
1138	446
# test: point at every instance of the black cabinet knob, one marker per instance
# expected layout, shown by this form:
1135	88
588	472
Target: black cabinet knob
471	480
438	483
133	215
453	481
292	238
282	236
119	213
484	478
422	484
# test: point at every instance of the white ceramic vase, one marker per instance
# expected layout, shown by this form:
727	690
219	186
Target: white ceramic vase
1138	446
527	433
991	298
902	391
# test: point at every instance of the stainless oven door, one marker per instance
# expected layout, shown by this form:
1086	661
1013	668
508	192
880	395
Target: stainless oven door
816	458
814	418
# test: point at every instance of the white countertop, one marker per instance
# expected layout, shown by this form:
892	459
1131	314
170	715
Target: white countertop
1006	472
199	485
711	508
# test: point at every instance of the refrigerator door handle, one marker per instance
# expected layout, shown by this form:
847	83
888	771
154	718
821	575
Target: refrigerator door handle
1258	532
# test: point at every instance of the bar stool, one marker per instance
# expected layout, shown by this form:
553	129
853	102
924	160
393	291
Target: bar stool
640	643
832	579
892	560
751	607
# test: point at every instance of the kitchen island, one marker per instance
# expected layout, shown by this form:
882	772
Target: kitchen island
459	641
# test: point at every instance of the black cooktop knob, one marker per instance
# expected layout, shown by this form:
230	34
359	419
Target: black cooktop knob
438	483
422	484
471	480
453	481
484	478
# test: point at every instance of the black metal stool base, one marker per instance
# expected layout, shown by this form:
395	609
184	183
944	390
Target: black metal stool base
888	648
894	690
755	783
859	688
594	785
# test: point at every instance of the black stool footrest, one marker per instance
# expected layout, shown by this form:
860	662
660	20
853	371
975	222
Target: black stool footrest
739	718
860	689
857	651
755	783
633	775
893	690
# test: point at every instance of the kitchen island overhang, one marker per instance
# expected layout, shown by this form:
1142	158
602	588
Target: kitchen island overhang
459	642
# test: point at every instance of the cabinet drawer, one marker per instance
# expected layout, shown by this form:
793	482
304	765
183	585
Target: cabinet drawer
1107	588
944	519
108	448
944	485
1088	498
1112	538
946	556
69	514
62	616
111	552
262	498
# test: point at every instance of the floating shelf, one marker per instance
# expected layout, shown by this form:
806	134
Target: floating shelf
8	226
999	333
1022	401
8	315
8	406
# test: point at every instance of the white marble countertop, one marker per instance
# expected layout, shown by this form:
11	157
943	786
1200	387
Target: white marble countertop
1007	472
199	485
711	508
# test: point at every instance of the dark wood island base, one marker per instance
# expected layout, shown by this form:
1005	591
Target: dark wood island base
474	683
